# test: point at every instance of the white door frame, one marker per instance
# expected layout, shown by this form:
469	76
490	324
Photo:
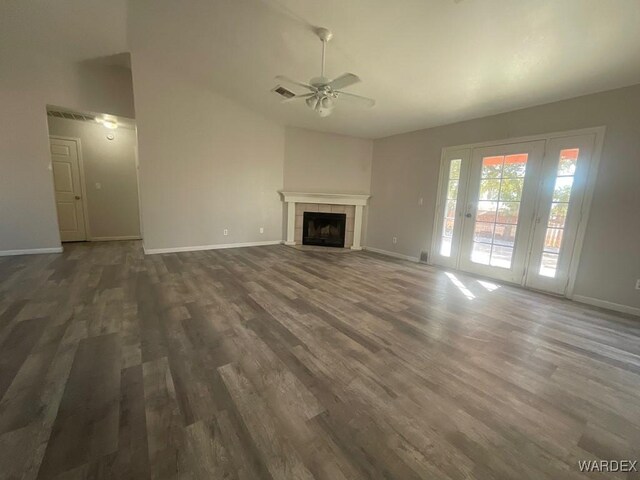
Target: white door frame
448	155
137	155
559	282
83	189
586	204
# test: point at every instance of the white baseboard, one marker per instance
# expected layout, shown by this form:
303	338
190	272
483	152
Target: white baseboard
596	302
30	251
111	239
151	251
393	254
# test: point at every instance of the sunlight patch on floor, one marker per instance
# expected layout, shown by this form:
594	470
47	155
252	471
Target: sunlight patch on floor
488	285
463	289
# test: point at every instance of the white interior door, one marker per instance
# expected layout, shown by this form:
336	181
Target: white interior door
500	205
68	189
559	211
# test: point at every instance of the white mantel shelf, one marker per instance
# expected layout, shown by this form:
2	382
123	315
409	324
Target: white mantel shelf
329	198
291	198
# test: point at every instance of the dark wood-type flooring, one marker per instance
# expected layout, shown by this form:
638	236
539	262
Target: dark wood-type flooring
270	362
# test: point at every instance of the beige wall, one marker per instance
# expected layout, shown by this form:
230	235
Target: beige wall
112	208
405	168
319	162
206	164
27	85
324	162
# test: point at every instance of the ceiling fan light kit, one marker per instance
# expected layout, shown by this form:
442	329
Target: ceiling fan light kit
324	91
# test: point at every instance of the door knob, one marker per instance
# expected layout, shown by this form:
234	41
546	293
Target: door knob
77	197
468	215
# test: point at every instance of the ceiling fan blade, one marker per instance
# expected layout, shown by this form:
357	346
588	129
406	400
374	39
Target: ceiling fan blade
295	82
343	81
365	101
306	95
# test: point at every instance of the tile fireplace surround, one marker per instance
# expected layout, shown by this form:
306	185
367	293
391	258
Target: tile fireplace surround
350	204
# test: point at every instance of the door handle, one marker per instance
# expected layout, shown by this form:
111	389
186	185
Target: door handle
78	197
469	213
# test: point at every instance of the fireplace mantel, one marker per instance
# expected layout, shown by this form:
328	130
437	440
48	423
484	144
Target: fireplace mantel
359	201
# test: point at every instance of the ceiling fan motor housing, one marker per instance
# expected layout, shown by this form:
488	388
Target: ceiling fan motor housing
319	82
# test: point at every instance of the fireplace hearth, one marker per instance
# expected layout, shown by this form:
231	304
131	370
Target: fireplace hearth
324	229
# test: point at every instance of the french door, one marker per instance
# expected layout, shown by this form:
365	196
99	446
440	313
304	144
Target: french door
500	203
512	211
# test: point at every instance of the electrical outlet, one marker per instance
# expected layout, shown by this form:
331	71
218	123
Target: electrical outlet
225	232
421	201
98	186
638	284
395	240
261	229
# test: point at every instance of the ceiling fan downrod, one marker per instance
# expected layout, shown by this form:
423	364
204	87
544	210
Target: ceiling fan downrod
325	35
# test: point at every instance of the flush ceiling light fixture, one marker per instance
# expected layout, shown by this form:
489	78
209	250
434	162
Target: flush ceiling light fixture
107	123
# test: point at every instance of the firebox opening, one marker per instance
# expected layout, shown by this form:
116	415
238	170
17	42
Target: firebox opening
324	229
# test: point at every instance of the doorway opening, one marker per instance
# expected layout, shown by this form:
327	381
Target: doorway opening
94	169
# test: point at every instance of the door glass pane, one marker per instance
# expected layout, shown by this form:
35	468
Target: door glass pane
558	215
504	235
489	189
511	189
447	235
492	167
558	212
515	165
448	228
445	246
450	207
501	256
562	189
553	240
508	212
494	236
549	264
486	211
454	169
568	162
452	191
481	253
483	232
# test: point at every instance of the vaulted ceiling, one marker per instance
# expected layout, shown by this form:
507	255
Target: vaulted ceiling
67	29
426	62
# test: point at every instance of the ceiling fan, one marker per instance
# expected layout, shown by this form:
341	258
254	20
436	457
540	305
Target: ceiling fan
324	91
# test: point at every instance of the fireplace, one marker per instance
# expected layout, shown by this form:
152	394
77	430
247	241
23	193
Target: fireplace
350	204
324	229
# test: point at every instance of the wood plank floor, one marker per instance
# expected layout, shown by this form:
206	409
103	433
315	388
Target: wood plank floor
270	362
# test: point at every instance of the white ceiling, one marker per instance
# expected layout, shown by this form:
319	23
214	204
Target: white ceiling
69	29
426	62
